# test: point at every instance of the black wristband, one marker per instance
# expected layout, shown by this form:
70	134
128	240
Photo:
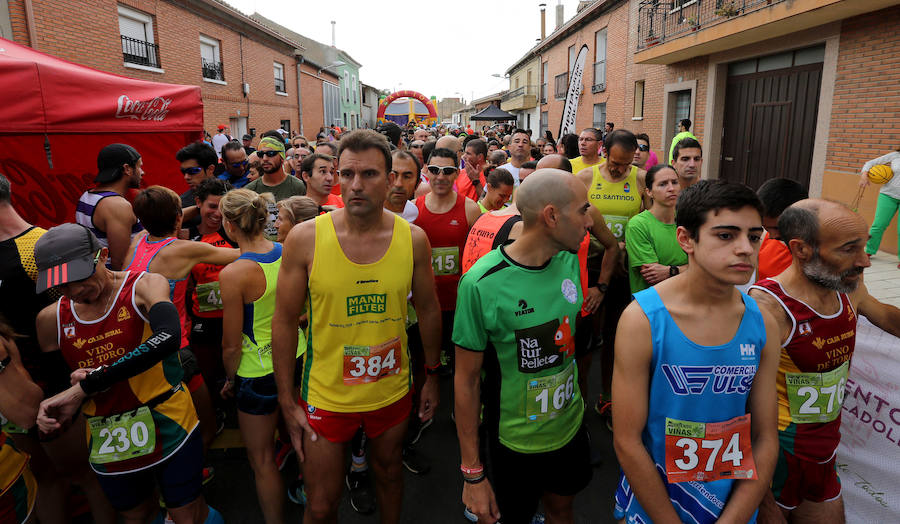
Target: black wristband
673	270
475	480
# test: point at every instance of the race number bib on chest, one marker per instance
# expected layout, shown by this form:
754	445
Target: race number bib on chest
816	397
209	298
9	428
616	225
707	451
546	397
365	364
445	260
122	437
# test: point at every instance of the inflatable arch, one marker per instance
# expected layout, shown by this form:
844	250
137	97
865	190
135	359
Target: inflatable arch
428	103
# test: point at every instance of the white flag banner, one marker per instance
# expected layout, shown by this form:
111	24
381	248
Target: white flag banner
868	457
567	123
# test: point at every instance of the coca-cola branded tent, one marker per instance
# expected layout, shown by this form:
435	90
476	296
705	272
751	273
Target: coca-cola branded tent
55	116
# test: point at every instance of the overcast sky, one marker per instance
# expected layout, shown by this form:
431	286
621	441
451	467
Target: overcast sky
450	48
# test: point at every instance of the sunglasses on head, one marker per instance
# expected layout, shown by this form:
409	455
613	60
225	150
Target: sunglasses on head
242	163
444	170
643	147
270	153
191	170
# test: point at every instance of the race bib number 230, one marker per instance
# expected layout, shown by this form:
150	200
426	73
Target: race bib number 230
122	437
706	451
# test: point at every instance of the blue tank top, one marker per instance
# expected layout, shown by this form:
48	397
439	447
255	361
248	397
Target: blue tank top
699	384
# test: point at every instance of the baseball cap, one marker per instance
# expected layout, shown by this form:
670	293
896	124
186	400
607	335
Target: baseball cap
66	253
246	137
282	131
110	161
220	127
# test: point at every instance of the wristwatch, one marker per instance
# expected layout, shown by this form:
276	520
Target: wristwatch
673	270
5	363
603	287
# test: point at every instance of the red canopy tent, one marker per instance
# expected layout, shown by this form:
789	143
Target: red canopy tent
55	116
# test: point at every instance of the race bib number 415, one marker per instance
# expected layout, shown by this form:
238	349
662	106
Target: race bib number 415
445	260
365	364
816	397
122	437
706	451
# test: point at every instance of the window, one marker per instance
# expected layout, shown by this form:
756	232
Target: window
638	99
136	31
545	81
599	116
561	86
572	55
279	78
286	125
545	122
353	86
599	61
210	61
346	91
528	78
331	103
682	107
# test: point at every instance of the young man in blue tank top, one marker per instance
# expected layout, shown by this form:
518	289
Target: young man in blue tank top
695	415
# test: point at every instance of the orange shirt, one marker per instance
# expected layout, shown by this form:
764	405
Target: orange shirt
774	257
334	200
464	185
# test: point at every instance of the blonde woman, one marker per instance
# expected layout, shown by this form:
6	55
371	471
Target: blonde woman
292	211
248	286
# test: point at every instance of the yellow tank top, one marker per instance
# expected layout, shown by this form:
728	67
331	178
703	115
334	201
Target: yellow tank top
617	201
357	358
12	463
578	164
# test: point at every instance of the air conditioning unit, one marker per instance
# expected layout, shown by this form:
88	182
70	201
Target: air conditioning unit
245	87
596	88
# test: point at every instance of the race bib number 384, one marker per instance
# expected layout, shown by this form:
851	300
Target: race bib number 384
709	451
365	364
122	437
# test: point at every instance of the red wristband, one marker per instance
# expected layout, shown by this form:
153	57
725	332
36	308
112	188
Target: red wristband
472	471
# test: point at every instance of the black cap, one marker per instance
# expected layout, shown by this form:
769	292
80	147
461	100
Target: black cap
247	137
391	130
66	253
110	161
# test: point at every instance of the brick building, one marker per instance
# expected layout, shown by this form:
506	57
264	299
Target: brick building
248	73
799	89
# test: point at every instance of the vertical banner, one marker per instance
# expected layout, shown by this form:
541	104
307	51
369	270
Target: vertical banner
870	429
567	123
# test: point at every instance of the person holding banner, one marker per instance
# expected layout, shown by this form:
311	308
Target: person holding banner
815	303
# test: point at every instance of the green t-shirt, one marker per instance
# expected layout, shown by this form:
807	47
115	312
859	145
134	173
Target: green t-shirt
531	396
649	241
290	186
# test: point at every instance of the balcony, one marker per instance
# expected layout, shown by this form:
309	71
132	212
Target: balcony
670	31
212	70
561	84
140	52
524	97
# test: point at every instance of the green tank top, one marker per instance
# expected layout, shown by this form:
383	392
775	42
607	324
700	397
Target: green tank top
256	349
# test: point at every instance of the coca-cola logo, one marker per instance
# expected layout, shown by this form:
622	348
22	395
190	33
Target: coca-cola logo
154	109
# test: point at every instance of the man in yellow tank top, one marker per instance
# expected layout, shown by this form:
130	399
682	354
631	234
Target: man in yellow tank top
615	188
589	146
356	266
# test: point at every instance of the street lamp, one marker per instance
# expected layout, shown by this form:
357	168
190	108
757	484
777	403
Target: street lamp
336	63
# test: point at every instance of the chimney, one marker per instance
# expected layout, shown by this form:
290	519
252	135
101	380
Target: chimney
333	44
559	15
543	21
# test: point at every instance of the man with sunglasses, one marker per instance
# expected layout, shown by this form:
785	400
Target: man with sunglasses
446	216
198	162
275	180
237	165
643	157
589	147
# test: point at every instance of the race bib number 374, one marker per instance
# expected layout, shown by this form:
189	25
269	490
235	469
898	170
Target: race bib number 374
709	451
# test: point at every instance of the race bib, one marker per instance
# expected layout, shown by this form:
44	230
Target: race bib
546	397
816	397
445	260
209	298
616	225
706	451
365	364
122	437
9	428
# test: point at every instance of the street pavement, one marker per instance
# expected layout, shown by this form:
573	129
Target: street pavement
431	498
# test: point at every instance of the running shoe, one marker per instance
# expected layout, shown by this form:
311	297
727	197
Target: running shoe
471	517
297	492
417	428
208	474
282	453
361	496
415	463
220	421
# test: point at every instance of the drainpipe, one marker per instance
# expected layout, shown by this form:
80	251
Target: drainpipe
29	21
300	61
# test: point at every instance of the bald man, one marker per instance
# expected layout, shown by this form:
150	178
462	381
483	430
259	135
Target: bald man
815	302
532	404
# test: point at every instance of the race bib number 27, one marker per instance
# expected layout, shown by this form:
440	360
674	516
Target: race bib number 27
816	397
698	451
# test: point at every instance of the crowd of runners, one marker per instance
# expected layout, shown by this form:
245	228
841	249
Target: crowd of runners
323	290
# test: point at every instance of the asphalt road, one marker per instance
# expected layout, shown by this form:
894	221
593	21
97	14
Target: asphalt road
430	498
